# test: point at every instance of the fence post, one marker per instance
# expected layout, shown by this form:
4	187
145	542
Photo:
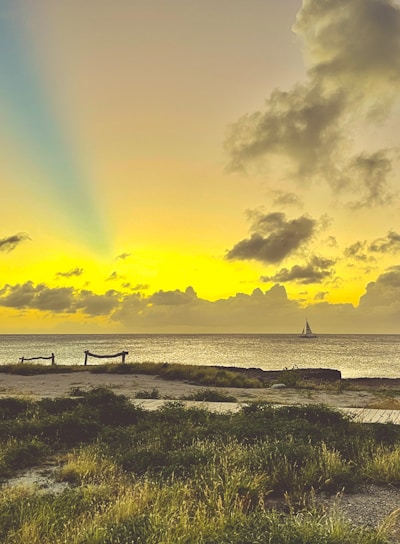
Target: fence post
53	359
124	353
86	357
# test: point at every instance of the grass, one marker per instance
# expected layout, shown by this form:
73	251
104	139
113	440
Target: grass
210	395
188	475
199	375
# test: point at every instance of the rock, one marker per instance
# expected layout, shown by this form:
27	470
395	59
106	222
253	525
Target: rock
278	386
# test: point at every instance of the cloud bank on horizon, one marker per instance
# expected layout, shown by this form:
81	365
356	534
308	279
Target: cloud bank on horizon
169	311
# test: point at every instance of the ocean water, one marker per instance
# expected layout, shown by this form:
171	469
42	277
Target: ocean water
354	355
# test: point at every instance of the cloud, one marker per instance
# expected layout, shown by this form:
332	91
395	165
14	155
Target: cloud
11	242
269	311
321	295
273	238
71	273
300	125
114	276
348	41
123	256
388	244
40	297
136	287
95	305
370	173
173	298
382	297
315	271
357	251
352	51
282	198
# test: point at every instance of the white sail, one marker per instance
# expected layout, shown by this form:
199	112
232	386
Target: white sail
307	332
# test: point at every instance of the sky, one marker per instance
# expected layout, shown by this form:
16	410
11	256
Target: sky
190	166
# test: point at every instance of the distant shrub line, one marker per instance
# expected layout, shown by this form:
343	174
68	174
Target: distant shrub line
201	375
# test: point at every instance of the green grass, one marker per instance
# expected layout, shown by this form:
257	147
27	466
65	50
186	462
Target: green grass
187	475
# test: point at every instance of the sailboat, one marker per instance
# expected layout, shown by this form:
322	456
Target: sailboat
307	332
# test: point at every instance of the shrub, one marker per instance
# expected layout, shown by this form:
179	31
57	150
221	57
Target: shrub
153	394
210	395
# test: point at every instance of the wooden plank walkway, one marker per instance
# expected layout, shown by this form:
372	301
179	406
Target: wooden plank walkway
361	415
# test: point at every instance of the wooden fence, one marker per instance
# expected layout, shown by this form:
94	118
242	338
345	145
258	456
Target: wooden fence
52	358
122	354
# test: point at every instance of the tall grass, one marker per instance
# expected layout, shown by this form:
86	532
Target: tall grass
188	476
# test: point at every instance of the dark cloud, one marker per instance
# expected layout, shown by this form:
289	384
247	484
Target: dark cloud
173	298
382	297
95	305
369	174
388	244
348	41
357	251
352	50
114	276
123	256
70	273
315	271
140	287
268	311
273	238
38	297
301	125
11	242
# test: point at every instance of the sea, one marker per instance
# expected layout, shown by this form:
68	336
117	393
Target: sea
355	355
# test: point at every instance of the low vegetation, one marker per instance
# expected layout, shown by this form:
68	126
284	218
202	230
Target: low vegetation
200	375
186	475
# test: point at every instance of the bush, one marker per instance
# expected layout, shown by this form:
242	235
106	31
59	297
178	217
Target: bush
210	395
153	394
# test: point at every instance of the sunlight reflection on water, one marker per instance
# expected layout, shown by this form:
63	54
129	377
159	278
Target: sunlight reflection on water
353	355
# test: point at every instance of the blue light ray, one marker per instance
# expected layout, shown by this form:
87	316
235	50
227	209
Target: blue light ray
33	120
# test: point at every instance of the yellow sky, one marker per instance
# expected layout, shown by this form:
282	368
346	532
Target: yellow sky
229	147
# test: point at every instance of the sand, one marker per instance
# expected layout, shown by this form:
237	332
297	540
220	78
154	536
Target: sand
59	385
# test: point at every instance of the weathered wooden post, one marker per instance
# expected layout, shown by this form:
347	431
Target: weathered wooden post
21	360
124	354
86	357
53	359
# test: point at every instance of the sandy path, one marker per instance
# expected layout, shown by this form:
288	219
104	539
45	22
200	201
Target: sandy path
58	385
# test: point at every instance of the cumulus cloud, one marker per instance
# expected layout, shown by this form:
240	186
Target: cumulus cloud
71	273
273	238
11	242
39	297
382	297
95	305
388	244
173	298
352	51
315	271
270	311
300	125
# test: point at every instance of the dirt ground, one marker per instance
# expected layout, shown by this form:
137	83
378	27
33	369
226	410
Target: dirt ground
59	385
